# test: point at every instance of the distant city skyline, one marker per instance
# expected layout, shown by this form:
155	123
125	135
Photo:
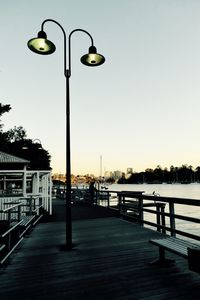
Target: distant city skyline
139	109
127	171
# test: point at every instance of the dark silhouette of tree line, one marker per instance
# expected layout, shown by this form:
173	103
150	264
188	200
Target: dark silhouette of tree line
184	174
15	142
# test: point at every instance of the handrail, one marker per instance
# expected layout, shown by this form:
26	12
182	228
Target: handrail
10	207
184	201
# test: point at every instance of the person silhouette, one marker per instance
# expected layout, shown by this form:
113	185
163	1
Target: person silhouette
92	191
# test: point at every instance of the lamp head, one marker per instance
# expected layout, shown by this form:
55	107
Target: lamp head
38	143
41	45
92	59
25	147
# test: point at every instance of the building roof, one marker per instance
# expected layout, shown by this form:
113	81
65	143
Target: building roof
8	158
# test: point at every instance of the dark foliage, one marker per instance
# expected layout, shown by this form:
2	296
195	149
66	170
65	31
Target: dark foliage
14	142
184	174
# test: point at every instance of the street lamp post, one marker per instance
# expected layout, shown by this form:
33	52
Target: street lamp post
27	143
41	45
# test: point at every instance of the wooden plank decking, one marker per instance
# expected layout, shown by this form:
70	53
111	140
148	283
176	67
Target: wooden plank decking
109	261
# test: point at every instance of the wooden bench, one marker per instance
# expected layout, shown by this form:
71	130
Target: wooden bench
33	210
37	213
9	236
26	223
15	226
180	247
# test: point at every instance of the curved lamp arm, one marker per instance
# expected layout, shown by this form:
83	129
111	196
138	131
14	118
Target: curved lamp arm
37	141
69	50
65	39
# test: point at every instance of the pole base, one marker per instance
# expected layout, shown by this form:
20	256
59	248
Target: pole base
67	247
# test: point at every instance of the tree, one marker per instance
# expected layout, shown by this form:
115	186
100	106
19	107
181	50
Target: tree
12	142
16	134
158	174
39	157
197	174
4	108
149	175
122	180
185	174
3	137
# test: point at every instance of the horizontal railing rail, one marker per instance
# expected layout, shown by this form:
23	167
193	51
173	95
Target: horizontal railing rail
10	207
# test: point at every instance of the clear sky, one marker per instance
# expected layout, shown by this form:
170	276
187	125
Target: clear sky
140	109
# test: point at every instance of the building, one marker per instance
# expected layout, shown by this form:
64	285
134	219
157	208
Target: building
129	171
17	182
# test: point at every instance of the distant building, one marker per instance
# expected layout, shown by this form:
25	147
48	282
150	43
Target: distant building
117	174
58	176
129	171
108	174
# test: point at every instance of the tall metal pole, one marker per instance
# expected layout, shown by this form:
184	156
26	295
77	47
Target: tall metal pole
67	74
100	166
68	168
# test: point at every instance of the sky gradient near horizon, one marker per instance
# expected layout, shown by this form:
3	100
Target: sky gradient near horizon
140	109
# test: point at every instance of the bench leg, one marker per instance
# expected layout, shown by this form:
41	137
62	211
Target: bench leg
162	261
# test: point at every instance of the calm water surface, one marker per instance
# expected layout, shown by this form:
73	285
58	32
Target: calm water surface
191	191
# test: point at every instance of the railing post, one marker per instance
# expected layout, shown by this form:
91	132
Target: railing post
30	205
19	213
163	218
95	197
172	220
108	195
119	202
34	204
9	225
140	208
123	199
18	220
158	217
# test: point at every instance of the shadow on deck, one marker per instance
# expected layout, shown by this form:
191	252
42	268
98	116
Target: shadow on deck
110	261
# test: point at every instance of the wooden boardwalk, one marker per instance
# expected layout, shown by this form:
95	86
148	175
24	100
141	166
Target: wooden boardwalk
109	261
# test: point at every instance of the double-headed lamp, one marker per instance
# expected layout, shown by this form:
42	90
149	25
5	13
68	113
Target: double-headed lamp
41	45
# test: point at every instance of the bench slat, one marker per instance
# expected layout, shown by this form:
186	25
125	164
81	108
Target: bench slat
14	225
176	241
2	246
171	245
26	220
184	242
8	254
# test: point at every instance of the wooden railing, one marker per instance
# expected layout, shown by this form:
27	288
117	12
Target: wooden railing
9	230
30	199
16	219
150	210
139	207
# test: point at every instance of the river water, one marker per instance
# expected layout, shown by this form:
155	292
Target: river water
190	191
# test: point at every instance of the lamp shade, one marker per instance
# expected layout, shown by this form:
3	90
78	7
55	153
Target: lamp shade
93	58
41	45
